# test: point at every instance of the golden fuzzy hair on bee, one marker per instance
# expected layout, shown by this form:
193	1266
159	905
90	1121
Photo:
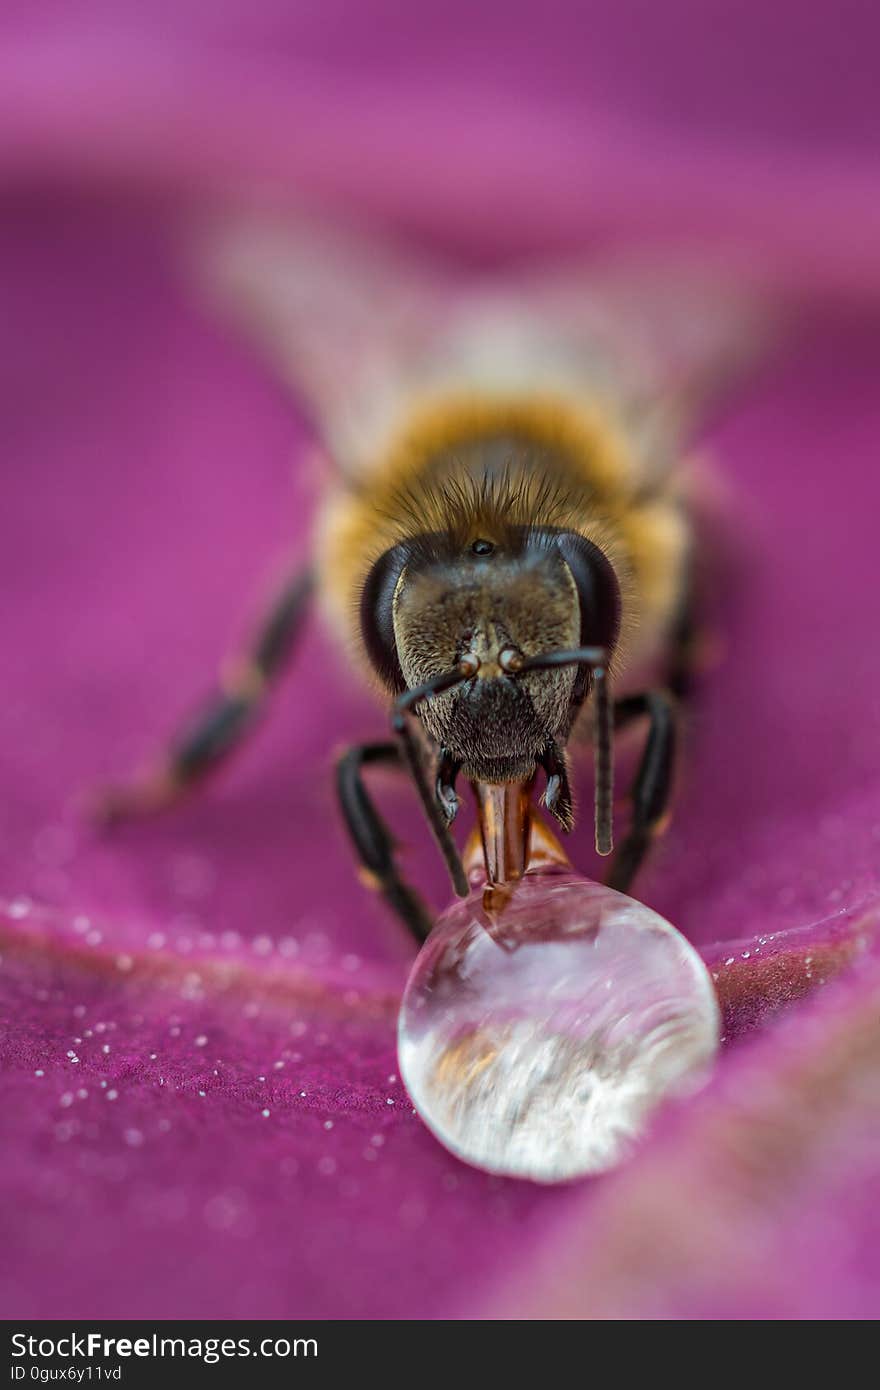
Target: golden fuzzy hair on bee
550	460
575	435
473	468
461	507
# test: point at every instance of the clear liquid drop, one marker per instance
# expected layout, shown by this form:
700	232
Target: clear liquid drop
536	1040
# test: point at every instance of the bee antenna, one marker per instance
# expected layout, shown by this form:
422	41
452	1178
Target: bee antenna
603	738
596	658
403	706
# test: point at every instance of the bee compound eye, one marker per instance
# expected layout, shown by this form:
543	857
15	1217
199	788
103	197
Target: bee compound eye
481	547
377	615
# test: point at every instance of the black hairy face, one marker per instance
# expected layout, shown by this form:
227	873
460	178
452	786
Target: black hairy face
432	600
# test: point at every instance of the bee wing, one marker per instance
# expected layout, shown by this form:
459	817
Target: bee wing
664	341
359	328
344	318
657	345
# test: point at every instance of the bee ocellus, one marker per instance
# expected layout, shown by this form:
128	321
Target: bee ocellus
505	544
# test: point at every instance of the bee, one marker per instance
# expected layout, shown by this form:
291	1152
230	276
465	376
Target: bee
505	545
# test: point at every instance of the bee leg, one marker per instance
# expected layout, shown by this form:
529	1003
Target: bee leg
685	648
371	837
223	723
652	786
695	646
436	810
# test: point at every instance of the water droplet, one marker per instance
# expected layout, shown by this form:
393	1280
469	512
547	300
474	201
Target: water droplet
516	1053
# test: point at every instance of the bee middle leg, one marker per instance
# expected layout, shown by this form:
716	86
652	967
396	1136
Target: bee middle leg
371	837
651	788
223	723
687	646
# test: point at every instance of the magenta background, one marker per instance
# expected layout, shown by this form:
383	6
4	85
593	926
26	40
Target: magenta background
153	478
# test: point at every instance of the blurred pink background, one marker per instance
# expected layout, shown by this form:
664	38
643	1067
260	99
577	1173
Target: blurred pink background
154	474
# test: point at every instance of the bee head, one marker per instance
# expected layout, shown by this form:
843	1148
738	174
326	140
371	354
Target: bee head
432	601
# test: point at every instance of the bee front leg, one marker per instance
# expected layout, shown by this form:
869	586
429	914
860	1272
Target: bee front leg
652	786
223	723
371	837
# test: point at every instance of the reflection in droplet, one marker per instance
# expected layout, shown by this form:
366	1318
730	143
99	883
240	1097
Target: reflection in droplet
535	1040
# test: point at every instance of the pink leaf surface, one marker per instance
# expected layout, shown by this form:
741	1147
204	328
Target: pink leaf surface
154	476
